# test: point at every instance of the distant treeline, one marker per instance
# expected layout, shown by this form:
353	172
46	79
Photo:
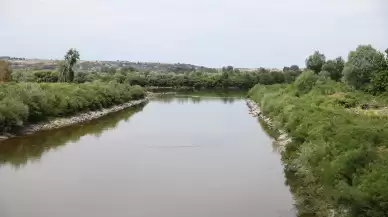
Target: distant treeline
11	58
227	77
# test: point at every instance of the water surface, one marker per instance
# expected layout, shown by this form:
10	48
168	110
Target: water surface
176	156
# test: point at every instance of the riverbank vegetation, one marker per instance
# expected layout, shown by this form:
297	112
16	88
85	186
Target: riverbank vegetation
22	103
336	113
30	101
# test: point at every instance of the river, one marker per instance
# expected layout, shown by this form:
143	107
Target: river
180	156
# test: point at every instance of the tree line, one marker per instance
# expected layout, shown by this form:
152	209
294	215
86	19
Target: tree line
227	77
366	68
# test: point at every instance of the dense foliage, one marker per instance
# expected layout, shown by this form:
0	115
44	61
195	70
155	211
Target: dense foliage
338	158
198	78
228	77
366	69
32	102
339	154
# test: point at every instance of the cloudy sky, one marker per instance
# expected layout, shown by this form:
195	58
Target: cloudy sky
242	33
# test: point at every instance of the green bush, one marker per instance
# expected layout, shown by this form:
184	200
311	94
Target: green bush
46	76
33	102
305	81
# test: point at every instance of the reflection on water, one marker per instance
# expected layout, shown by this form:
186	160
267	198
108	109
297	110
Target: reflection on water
178	156
237	94
184	99
196	97
18	151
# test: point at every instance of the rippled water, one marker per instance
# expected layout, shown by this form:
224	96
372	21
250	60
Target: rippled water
178	156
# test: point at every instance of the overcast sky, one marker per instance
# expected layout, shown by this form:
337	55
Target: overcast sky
242	33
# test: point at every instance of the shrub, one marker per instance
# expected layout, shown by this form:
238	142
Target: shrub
46	76
20	75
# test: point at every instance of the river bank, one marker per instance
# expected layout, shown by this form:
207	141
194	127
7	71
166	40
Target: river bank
67	121
337	160
27	103
281	138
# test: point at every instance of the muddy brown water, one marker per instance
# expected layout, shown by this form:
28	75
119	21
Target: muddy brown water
176	156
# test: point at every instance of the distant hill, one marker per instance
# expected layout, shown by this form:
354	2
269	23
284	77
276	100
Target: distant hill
86	65
95	65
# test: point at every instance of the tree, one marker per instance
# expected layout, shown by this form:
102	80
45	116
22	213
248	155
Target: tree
286	69
265	78
67	66
324	74
119	78
228	69
111	70
104	69
277	77
315	62
290	73
290	76
334	68
379	79
362	64
126	69
295	68
306	81
379	82
5	72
